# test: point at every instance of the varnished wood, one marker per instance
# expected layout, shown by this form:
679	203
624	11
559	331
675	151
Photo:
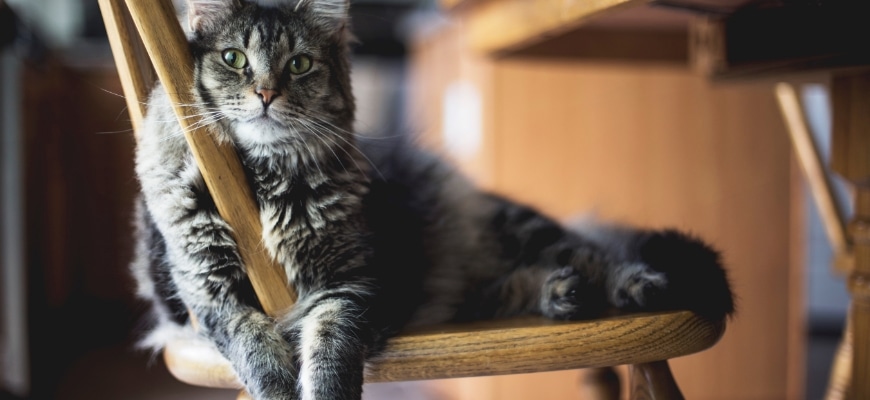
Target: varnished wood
812	165
741	45
243	395
850	97
506	25
218	162
595	43
653	381
841	369
197	362
599	384
496	348
130	56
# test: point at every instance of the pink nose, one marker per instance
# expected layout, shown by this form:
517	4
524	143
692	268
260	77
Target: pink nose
267	95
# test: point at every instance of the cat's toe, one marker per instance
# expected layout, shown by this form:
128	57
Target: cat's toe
567	294
638	286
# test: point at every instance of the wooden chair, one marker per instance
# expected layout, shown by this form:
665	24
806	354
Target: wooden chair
833	219
644	341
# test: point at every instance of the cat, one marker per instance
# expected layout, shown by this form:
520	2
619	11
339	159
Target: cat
375	235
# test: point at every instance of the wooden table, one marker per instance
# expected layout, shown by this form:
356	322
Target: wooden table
724	40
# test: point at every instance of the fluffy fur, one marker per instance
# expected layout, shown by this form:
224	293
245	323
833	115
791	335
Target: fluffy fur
368	252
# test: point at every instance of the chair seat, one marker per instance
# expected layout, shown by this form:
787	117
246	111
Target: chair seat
510	346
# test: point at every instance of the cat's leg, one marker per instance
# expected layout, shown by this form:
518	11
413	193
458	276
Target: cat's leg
209	277
654	270
333	337
545	269
622	267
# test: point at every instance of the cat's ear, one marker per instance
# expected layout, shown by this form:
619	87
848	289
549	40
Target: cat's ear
203	14
333	14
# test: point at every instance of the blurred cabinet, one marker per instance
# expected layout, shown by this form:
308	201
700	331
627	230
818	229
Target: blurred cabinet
650	143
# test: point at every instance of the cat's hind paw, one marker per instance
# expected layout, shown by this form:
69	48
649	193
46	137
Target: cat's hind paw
566	294
637	286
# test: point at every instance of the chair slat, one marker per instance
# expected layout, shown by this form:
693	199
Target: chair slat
134	67
167	48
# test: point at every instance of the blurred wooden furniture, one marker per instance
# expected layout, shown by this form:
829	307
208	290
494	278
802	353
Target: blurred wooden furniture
821	189
727	41
645	341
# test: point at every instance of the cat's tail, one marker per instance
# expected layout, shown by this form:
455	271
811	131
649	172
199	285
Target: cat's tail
696	277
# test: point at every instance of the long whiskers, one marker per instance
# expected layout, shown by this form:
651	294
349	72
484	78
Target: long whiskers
206	119
330	129
313	157
325	125
325	137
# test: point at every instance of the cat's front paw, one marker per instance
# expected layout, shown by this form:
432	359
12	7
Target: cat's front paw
278	384
567	294
637	286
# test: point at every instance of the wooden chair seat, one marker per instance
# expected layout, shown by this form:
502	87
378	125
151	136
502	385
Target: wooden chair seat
500	347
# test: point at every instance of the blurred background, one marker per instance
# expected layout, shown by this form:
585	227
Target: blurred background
647	141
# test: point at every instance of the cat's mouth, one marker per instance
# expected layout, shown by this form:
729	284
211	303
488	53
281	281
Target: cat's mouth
264	119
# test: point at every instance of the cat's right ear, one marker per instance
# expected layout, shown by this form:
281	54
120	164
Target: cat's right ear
203	14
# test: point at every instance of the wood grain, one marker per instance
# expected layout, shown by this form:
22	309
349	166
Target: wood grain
495	348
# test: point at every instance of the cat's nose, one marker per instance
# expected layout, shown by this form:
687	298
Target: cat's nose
267	95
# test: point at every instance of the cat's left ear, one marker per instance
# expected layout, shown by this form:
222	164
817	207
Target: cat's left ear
204	14
333	14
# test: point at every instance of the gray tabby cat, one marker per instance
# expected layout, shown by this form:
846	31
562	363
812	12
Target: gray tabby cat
369	253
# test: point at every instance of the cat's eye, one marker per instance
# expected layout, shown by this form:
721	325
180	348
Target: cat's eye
300	64
235	58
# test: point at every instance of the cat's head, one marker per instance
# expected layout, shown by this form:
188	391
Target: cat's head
275	71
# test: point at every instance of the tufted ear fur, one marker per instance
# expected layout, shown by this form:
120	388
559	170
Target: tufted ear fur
333	14
203	14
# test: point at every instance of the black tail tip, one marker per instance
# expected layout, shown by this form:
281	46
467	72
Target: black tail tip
697	278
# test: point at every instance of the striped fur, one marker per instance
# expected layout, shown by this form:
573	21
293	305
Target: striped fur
369	253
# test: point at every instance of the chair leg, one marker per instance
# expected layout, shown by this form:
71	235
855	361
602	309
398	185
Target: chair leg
841	370
243	395
599	384
653	381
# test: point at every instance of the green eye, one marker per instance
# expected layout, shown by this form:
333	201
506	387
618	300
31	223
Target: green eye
235	58
300	64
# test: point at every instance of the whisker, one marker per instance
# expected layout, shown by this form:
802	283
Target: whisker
354	146
130	130
323	139
313	158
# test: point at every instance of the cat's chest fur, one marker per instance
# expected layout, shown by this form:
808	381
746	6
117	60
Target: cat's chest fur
304	206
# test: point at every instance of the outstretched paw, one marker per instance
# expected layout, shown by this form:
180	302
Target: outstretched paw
637	286
567	294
